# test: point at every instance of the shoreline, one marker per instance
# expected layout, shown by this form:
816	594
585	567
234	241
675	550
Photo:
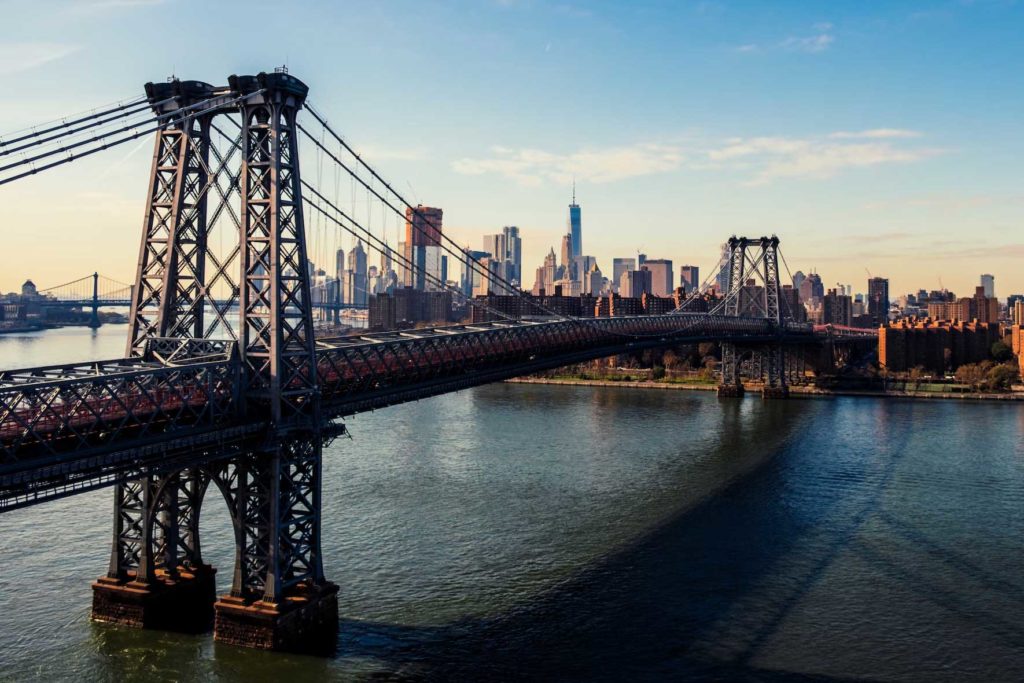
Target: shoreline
795	391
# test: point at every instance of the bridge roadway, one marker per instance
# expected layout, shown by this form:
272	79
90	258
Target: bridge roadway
70	428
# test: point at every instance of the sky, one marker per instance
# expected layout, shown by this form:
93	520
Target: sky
880	138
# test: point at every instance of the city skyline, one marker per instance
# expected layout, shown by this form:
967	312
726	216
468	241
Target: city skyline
853	163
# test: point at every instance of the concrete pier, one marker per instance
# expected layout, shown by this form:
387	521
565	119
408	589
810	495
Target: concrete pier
730	391
183	603
306	622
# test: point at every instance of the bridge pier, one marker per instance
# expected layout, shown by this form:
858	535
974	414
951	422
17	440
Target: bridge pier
306	621
731	391
183	603
731	386
774	367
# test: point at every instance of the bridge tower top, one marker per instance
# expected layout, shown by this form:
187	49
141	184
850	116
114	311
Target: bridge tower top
266	278
753	284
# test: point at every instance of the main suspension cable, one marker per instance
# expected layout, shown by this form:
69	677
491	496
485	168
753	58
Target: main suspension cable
381	246
128	138
460	255
95	138
501	280
125	112
64	123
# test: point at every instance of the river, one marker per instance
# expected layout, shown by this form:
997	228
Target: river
594	533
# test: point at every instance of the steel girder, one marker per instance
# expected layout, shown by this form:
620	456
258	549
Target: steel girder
169	278
353	371
763	299
156	525
56	413
274	495
276	335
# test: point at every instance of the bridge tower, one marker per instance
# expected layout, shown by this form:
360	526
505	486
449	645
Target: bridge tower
279	597
754	290
94	317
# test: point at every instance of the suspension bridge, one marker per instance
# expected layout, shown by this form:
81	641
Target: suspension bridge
223	384
98	291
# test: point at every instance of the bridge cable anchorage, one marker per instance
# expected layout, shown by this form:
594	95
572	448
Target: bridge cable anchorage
380	245
65	123
128	138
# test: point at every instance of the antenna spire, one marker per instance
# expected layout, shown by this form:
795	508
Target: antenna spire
574	190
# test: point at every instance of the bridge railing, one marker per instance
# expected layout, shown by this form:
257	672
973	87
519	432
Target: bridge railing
353	371
60	412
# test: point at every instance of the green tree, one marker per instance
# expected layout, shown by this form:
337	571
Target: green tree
658	372
1001	377
1001	352
970	374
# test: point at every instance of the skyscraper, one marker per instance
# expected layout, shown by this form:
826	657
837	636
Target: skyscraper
568	249
506	248
422	230
471	270
722	279
514	253
635	283
661	276
689	277
355	277
575	225
339	264
878	299
989	283
798	279
620	266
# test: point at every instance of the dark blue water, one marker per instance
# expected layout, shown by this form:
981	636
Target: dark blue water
518	531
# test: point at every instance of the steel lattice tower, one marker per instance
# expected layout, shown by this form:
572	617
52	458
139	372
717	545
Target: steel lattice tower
279	598
754	290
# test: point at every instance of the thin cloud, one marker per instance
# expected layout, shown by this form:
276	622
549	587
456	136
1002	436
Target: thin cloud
534	167
809	44
96	6
821	40
18	57
875	134
773	158
380	153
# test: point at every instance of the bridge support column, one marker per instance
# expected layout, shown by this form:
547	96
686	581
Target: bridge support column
156	578
279	599
774	373
731	386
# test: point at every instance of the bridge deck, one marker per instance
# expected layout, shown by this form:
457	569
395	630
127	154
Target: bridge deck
77	424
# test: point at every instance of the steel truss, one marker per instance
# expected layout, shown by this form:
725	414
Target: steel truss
754	289
273	489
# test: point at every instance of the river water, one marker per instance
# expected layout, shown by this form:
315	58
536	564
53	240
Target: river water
578	533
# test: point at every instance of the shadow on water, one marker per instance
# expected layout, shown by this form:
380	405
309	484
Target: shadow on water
688	598
649	609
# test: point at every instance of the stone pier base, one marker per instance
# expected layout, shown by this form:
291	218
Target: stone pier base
183	604
730	391
307	622
775	392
